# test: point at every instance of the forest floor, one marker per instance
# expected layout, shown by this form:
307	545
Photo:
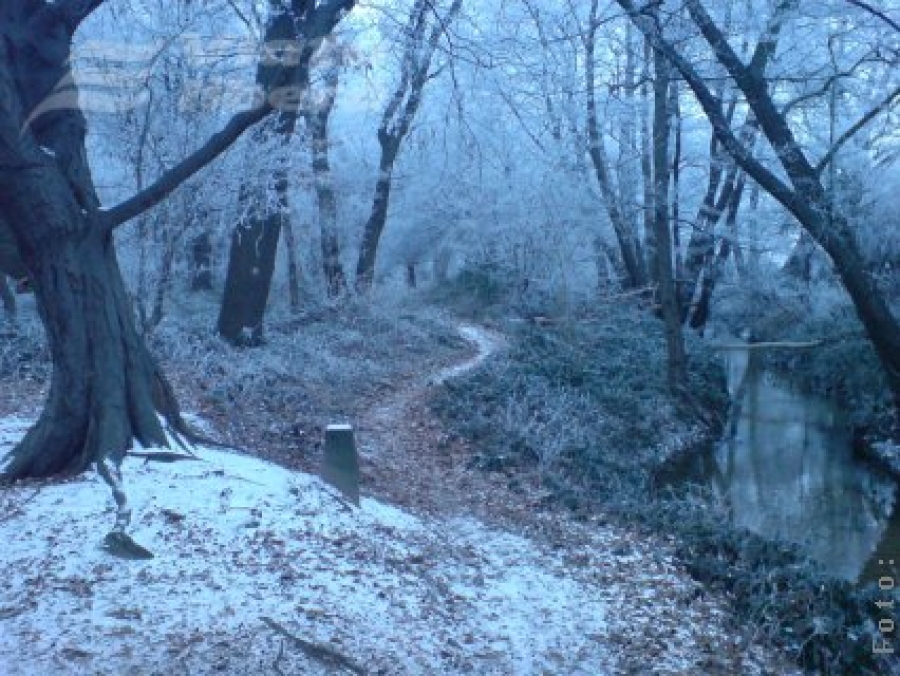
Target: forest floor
444	569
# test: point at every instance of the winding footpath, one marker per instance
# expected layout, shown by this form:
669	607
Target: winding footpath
649	617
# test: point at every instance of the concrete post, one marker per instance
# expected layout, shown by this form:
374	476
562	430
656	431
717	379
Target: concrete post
340	464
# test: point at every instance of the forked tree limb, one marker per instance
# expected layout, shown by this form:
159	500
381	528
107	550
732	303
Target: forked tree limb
318	24
153	194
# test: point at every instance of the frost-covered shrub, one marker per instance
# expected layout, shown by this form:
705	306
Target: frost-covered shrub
582	399
826	625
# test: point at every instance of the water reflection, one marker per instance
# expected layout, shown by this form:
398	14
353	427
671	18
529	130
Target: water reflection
786	470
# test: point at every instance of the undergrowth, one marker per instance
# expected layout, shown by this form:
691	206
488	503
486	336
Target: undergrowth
585	402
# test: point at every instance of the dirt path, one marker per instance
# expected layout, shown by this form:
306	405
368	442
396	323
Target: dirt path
407	456
662	621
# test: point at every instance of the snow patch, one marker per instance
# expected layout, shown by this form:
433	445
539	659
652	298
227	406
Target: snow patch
236	539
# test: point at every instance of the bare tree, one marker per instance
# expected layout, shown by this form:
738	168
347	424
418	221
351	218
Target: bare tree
423	31
803	193
624	227
106	389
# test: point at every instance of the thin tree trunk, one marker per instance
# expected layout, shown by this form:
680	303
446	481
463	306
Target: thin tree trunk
701	311
293	268
201	262
647	167
317	122
164	282
368	250
396	123
676	189
9	301
677	360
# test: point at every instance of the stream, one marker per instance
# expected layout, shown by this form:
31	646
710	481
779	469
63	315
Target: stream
785	469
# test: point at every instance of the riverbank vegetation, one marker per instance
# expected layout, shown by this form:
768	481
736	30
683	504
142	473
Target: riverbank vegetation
582	402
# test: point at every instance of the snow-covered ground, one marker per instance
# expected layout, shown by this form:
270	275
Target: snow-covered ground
236	540
249	556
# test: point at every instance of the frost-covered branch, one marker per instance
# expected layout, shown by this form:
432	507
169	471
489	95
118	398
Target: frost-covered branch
856	127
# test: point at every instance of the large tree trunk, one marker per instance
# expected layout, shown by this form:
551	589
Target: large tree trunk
254	242
251	264
105	389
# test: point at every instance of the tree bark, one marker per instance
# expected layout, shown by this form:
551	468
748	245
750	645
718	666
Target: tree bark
368	249
317	122
677	359
105	390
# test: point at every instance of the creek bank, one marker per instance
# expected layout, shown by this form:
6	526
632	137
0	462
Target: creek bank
843	368
584	406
